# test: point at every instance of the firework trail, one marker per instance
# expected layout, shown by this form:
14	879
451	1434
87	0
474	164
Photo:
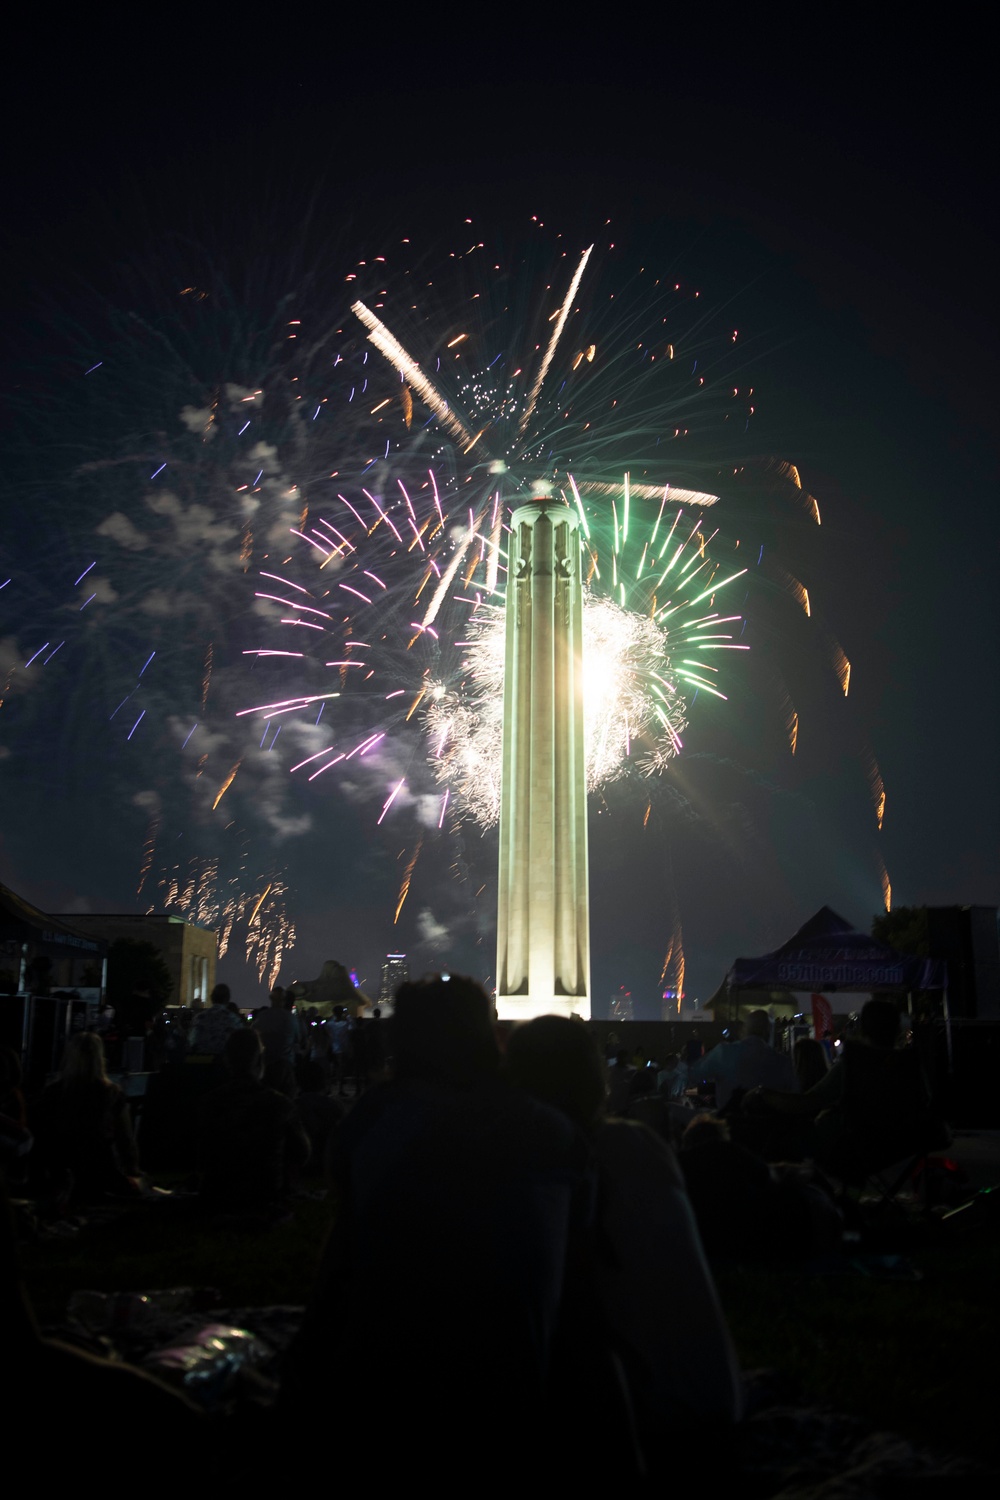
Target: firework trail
419	562
399	580
672	972
397	584
254	905
173	462
360	469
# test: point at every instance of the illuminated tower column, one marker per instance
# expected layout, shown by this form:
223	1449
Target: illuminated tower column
543	914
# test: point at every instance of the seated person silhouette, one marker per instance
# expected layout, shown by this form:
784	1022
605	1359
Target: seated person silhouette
873	1107
443	1274
83	1126
746	1063
653	1285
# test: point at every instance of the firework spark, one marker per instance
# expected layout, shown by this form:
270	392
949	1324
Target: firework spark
197	892
364	475
652	628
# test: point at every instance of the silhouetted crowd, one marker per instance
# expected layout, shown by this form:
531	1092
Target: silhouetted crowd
517	1275
258	1096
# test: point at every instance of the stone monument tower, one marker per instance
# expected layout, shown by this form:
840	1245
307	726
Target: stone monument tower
543	915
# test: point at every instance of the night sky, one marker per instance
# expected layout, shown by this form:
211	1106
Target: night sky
829	196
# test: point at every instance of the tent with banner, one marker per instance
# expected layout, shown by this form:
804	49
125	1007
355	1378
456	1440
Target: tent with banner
29	935
724	1001
49	973
827	953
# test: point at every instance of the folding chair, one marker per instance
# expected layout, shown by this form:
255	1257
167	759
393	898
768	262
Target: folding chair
886	1128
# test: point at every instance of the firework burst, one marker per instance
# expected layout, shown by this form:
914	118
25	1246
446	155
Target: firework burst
404	604
361	467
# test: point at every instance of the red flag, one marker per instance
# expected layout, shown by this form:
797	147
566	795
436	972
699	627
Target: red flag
822	1017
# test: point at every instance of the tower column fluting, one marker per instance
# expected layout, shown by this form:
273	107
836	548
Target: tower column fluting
543	916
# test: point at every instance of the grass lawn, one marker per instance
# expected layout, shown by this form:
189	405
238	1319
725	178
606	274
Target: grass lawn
166	1245
917	1357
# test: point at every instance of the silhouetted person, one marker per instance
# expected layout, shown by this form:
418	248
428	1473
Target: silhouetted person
746	1209
671	1080
251	1138
339	1032
280	1032
136	1012
376	1044
455	1194
213	1027
318	1113
694	1051
660	1308
83	1126
748	1063
873	1107
620	1080
360	1053
810	1061
316	1044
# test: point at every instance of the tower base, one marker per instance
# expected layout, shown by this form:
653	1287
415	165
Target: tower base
527	1007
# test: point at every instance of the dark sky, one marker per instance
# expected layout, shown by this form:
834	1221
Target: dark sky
831	193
